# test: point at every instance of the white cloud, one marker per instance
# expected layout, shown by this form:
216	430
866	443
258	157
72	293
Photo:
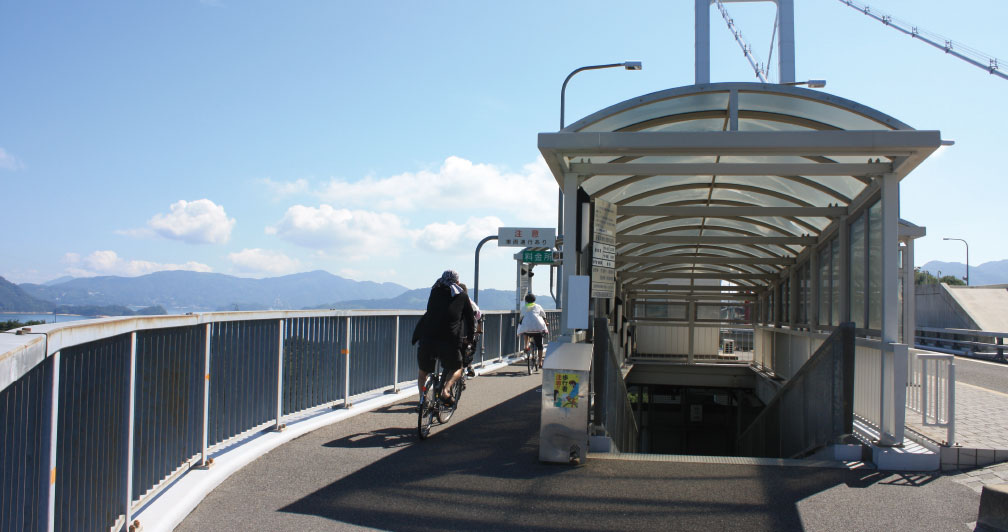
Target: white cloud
279	189
454	237
196	222
356	234
107	262
264	261
9	162
458	184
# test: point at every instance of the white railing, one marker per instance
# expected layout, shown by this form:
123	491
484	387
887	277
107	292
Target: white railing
931	390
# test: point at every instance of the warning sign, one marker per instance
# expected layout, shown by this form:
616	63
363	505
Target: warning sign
565	390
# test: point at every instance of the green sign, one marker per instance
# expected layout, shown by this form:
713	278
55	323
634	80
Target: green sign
537	257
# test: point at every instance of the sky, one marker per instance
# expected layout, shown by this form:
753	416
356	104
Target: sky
382	140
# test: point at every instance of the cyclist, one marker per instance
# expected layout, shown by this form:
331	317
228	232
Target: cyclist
444	331
532	325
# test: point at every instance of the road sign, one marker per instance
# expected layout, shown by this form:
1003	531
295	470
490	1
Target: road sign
539	237
537	256
603	277
603	282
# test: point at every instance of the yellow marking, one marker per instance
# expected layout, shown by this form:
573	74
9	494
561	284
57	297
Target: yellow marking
207	376
345	351
52	476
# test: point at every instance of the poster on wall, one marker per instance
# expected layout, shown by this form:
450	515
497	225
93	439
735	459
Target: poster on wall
565	390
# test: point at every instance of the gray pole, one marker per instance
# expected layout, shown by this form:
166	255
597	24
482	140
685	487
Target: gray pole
967	257
476	272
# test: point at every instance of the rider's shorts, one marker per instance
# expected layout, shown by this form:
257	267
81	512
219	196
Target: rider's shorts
447	352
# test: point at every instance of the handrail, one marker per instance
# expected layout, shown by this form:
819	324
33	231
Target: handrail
128	405
611	406
931	390
813	409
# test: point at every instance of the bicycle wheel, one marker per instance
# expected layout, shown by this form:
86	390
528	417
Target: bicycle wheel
445	413
539	358
530	360
428	409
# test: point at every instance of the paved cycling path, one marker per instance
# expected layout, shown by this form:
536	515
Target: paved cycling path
481	472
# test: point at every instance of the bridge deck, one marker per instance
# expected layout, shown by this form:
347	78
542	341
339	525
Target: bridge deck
481	472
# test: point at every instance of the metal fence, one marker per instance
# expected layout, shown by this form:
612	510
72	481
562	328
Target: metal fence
813	409
931	390
611	404
102	414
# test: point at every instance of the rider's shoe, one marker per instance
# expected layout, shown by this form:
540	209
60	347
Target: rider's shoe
470	372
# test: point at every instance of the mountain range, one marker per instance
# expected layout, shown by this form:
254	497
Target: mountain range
994	272
186	291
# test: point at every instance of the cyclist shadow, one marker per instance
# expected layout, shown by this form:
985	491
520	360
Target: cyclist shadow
388	438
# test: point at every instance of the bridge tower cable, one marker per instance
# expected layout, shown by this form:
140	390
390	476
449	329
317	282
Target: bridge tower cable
761	73
970	55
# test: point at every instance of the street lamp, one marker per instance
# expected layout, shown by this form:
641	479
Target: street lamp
629	65
967	256
812	83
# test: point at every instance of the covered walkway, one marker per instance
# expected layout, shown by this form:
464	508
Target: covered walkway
481	472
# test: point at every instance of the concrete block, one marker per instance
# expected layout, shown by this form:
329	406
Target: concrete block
984	457
993	512
967	457
949	458
1000	456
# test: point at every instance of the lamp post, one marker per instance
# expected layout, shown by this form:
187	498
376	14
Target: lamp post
967	256
629	65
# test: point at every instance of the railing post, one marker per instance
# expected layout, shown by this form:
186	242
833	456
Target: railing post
950	431
346	359
206	395
53	425
395	362
129	438
280	369
500	338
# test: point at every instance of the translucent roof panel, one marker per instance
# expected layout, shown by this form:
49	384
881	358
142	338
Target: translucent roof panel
674	105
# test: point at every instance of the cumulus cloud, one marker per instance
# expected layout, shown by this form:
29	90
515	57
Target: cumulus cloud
453	237
458	183
197	222
107	262
263	261
8	161
356	234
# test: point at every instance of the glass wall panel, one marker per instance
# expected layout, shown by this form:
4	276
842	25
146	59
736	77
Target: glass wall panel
825	285
857	272
835	276
875	266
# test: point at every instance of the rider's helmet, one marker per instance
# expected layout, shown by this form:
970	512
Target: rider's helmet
529	298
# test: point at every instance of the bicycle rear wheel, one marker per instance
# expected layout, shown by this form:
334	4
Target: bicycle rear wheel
428	409
530	360
445	413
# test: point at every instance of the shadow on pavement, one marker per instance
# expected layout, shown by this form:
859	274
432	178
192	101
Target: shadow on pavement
483	473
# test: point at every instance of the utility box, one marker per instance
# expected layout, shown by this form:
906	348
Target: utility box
563	428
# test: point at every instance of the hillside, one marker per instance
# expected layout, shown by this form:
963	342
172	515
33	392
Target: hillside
994	272
197	291
489	299
14	299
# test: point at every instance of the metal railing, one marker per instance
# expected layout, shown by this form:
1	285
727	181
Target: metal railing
931	390
611	406
962	341
813	409
98	416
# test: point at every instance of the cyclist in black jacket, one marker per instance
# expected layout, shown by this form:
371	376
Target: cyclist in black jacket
444	331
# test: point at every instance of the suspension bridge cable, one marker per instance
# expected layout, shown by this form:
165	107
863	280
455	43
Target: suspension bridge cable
746	49
970	55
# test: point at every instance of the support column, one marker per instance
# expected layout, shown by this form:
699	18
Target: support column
814	288
570	244
793	299
909	296
844	278
52	398
691	308
701	40
785	41
890	262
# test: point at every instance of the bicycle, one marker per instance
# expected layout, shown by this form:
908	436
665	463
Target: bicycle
533	354
431	406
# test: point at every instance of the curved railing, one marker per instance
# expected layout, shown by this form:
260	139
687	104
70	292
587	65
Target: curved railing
98	416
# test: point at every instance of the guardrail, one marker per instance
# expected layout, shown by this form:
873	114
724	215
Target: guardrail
962	341
98	416
931	390
611	404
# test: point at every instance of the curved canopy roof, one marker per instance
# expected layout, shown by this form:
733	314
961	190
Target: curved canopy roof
730	181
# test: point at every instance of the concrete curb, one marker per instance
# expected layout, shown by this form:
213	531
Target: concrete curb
993	512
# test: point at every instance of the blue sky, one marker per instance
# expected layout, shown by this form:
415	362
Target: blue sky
382	140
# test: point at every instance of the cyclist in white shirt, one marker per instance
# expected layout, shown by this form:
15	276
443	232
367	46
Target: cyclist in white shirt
532	326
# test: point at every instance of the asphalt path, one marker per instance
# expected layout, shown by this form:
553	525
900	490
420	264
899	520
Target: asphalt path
481	472
990	375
